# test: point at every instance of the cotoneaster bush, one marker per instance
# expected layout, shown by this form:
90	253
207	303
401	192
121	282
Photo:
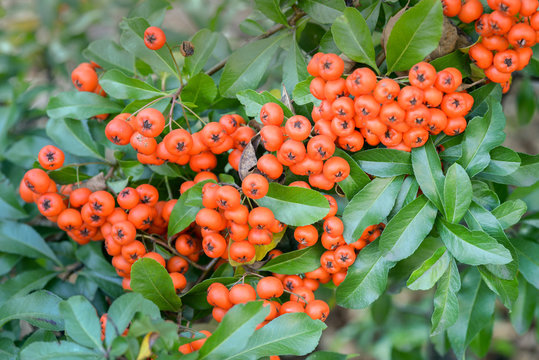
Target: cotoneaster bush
186	195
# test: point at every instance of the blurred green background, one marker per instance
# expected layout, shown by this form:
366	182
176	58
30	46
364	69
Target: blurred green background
41	41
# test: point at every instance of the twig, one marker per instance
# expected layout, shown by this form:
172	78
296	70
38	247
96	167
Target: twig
73	270
292	21
380	58
174	251
168	188
110	173
209	266
467	86
191	111
175	64
86	163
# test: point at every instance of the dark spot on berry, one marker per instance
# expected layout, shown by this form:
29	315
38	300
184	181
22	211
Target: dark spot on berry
146	124
150	38
97	206
46	204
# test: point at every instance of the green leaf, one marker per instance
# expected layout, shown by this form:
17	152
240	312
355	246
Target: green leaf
522	312
232	334
366	279
446	306
21	239
481	136
160	105
510	212
289	334
415	35
481	342
353	38
452	153
24	282
484	196
110	55
407	229
121	86
294	66
323	11
296	262
152	280
67	175
327	45
528	256
80	105
370	206
39	308
384	162
10	207
184	213
118	185
200	90
98	269
428	173
482	96
476	304
432	269
24	152
456	59
525	175
251	27
204	42
81	322
132	39
407	194
302	93
478	218
503	161
371	14
63	350
170	170
457	193
295	206
151	10
270	9
357	178
131	168
74	137
472	247
122	311
7	261
8	350
329	355
253	102
247	65
507	290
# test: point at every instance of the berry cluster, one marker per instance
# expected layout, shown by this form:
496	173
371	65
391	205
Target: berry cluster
314	159
507	34
383	112
224	215
143	132
301	299
93	216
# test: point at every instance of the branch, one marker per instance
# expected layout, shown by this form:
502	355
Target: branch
174	251
209	266
291	22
